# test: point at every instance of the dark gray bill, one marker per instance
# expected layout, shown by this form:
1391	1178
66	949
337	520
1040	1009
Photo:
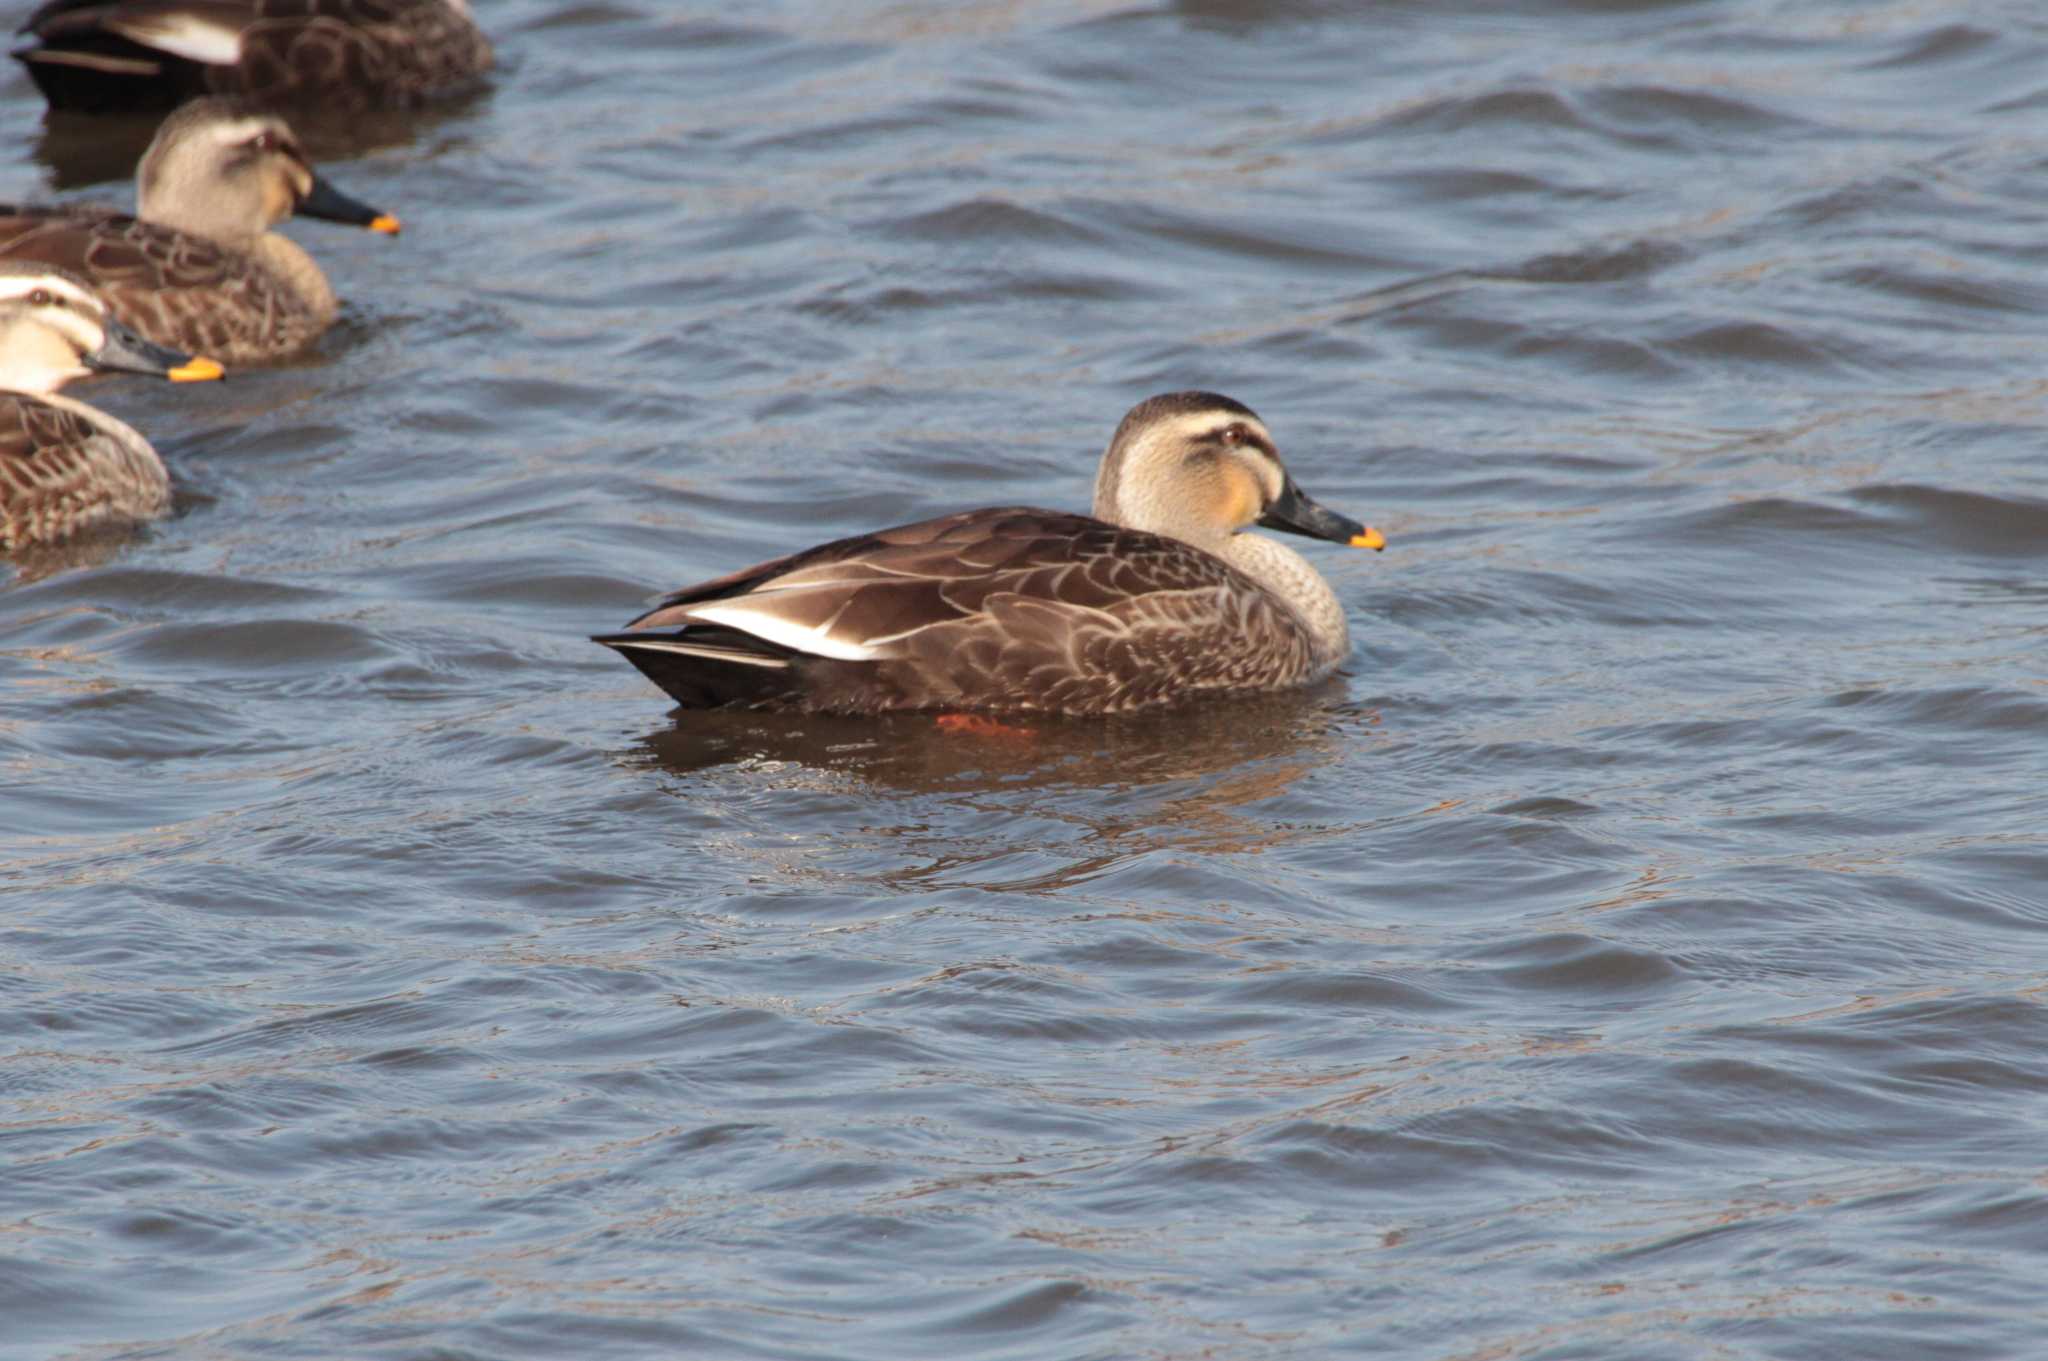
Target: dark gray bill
323	200
1294	512
123	351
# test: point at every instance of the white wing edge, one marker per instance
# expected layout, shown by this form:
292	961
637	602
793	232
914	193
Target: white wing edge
817	641
92	61
722	654
182	35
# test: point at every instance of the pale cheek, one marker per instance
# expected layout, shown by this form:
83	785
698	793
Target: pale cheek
1240	503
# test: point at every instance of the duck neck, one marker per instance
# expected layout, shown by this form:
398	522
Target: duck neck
1288	575
287	259
197	215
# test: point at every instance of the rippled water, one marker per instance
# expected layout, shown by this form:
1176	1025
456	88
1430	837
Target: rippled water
1640	951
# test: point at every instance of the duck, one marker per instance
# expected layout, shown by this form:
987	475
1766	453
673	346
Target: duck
1159	597
338	56
66	467
198	267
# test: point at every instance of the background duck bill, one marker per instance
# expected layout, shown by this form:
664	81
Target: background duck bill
123	351
1294	512
323	200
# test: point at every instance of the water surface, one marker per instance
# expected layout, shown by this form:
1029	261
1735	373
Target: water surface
1639	950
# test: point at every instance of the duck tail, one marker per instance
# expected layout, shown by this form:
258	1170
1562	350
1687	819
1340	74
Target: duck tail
703	668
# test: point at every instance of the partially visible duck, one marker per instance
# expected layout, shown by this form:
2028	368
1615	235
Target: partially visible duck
199	267
1158	597
339	56
64	466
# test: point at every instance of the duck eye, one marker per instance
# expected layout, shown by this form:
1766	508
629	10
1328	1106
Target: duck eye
1234	434
41	298
264	141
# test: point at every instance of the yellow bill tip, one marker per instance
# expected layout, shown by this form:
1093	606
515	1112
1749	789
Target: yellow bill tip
385	223
197	369
1372	539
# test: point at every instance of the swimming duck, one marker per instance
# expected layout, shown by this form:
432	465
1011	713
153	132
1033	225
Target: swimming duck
64	466
1158	597
198	267
339	56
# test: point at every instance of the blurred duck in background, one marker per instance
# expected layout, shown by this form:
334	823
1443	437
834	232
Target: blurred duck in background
341	56
198	266
64	466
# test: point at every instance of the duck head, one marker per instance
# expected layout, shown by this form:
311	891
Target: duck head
54	327
223	169
1201	467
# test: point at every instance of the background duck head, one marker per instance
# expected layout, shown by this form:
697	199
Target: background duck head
222	169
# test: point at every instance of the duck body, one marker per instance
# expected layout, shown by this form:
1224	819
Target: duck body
339	56
175	288
1012	609
1016	609
199	268
65	467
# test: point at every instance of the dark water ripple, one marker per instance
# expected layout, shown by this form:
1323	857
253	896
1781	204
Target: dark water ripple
1638	951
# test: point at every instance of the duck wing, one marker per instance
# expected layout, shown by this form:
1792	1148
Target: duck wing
60	473
176	289
99	56
90	56
992	609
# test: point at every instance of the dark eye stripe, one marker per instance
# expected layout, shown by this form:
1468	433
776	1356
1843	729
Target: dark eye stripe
1243	436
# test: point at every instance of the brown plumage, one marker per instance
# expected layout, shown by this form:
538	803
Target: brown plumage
337	56
65	467
63	472
1155	599
198	268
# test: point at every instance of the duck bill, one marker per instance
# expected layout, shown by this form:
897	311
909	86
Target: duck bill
324	201
126	352
1293	511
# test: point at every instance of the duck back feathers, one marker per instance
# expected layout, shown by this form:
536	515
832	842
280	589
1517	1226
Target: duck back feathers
1010	609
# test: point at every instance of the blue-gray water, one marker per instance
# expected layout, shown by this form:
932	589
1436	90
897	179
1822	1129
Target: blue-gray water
1641	951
